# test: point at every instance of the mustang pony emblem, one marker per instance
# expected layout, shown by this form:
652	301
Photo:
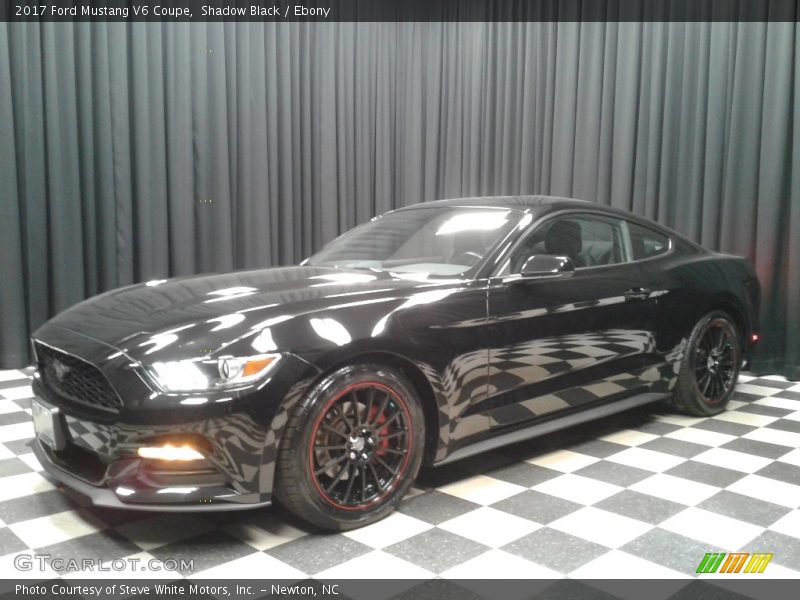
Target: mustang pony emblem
60	369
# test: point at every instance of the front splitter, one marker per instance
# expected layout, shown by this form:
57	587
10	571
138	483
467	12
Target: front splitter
106	497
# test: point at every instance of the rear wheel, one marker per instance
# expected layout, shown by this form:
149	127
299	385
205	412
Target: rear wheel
710	368
351	449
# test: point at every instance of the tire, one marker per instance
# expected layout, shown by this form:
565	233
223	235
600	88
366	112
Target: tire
710	367
351	448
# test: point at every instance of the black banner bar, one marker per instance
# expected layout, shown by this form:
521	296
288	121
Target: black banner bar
740	588
187	11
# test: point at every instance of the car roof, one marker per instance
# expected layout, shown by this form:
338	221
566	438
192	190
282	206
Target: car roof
513	202
542	205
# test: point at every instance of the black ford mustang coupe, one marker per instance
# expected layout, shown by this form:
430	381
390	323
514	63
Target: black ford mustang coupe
429	334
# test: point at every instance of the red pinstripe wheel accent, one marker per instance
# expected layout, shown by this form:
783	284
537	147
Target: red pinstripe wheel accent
360	446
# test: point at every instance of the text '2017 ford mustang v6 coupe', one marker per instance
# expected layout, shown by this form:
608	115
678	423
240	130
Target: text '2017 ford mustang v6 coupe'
429	334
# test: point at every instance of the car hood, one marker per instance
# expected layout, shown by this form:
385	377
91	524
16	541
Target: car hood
201	315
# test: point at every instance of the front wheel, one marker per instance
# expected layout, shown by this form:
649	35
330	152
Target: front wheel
710	367
351	449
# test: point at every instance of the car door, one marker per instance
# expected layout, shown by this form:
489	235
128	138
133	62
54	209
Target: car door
566	341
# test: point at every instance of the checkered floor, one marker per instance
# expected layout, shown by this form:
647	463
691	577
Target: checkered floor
643	494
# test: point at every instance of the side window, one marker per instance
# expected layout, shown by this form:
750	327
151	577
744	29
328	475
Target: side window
646	242
588	240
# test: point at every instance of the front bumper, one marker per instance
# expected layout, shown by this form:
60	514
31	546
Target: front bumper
134	496
240	433
99	460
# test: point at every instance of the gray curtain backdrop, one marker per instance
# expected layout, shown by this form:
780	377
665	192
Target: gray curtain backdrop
138	151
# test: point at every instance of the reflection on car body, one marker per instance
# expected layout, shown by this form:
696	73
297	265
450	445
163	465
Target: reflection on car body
428	334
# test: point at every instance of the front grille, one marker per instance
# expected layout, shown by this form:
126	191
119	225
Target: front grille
75	379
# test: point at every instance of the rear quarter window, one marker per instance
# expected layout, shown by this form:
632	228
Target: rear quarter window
646	242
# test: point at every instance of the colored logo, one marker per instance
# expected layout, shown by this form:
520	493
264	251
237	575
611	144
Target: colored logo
734	562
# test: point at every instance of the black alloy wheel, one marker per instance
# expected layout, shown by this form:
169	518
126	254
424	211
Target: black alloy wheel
710	366
351	448
360	446
714	362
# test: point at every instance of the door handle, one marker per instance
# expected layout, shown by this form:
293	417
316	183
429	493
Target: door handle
637	293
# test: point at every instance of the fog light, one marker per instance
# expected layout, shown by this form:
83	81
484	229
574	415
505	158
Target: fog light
170	452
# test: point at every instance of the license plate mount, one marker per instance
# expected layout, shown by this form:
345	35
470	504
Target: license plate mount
47	424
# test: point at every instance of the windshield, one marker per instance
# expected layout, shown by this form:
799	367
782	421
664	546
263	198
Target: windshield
438	242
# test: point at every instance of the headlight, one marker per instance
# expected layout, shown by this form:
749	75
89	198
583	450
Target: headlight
203	374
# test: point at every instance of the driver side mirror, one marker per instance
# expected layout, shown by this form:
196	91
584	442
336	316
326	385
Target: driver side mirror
546	265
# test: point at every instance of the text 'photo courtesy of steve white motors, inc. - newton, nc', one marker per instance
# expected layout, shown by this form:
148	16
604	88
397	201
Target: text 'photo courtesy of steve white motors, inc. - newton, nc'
172	590
170	11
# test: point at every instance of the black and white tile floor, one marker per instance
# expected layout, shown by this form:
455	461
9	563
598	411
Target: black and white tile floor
643	494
